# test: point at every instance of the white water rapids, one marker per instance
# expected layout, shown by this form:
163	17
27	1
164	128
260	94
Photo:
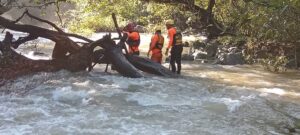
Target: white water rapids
207	99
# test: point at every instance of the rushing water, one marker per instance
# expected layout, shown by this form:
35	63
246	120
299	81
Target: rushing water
207	99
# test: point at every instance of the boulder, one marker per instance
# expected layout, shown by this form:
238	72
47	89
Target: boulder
234	59
230	59
229	56
199	55
198	45
187	57
212	49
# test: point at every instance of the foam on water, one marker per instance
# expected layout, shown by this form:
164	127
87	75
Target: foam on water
232	105
277	91
78	104
69	96
202	101
162	100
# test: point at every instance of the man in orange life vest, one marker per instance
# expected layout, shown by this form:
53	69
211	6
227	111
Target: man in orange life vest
133	40
175	43
157	42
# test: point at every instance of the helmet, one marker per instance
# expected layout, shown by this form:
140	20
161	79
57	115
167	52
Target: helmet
157	28
169	22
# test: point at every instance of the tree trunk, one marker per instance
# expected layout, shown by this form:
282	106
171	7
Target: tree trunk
18	65
66	54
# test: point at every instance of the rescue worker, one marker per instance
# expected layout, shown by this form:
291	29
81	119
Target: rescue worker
176	46
133	40
156	45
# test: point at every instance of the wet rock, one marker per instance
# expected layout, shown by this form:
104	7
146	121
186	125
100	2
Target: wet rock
200	55
198	45
230	56
212	49
231	59
187	57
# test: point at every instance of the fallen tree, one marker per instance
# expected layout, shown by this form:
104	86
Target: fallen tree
67	54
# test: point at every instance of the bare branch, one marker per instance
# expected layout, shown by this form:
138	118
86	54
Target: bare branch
22	40
42	20
57	12
58	29
16	20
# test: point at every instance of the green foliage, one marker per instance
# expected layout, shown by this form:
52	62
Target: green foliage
259	20
264	20
273	20
92	16
274	64
237	41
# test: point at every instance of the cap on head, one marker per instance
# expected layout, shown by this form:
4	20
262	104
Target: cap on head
169	22
157	28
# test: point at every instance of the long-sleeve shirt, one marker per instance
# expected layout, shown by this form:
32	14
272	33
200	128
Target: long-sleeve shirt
171	33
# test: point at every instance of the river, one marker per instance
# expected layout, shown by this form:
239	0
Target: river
206	99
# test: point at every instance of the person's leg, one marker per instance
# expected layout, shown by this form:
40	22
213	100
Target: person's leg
157	57
172	60
178	58
160	56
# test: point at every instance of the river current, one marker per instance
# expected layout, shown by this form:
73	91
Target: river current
207	99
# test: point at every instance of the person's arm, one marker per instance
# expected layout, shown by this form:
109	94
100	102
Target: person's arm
171	39
149	47
154	40
149	50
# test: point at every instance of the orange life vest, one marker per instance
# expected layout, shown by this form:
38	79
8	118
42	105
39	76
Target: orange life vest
175	38
157	43
133	41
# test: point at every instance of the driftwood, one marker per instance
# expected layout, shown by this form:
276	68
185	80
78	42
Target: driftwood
68	54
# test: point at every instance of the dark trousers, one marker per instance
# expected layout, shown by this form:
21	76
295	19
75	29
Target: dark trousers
176	52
